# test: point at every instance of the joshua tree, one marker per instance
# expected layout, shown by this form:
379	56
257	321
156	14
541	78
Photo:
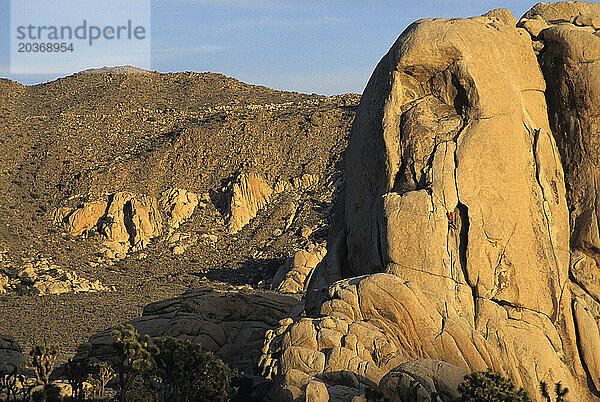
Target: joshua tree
8	382
76	371
102	373
135	355
559	391
42	360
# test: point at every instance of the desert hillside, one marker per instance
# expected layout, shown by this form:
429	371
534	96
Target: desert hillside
91	135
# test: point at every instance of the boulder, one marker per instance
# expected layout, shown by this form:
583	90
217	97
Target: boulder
248	193
11	355
294	275
422	380
229	323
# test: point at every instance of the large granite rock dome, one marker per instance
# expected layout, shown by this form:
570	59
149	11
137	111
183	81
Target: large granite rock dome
459	239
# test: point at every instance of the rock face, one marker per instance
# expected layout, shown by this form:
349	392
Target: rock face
179	205
455	233
129	221
570	61
229	323
422	380
86	218
294	275
248	194
11	355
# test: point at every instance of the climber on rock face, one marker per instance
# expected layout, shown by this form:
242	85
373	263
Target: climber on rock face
429	187
451	221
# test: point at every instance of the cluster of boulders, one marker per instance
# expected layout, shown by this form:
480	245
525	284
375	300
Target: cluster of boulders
44	277
128	222
249	192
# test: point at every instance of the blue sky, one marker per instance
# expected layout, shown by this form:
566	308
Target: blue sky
326	47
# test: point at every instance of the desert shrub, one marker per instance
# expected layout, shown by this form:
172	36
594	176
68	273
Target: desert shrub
189	373
559	391
481	386
140	389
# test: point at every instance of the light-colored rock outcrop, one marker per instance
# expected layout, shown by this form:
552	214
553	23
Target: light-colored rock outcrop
130	221
248	193
294	275
86	218
570	61
229	323
455	214
179	205
45	278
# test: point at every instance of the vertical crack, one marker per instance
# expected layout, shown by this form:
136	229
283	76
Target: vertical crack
536	134
463	235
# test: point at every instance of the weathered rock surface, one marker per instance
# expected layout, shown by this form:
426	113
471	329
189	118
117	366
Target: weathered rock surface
43	277
294	275
422	380
129	221
86	218
570	61
248	193
179	205
456	213
229	323
11	355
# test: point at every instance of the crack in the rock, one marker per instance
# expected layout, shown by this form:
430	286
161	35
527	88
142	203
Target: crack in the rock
501	256
430	273
506	303
536	134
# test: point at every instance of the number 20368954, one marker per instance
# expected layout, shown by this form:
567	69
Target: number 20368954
50	47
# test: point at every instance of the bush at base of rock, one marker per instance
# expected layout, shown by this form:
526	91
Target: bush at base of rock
169	369
191	374
488	385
